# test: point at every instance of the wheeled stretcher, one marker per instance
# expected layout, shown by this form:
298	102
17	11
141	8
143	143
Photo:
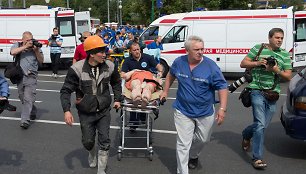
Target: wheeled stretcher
151	112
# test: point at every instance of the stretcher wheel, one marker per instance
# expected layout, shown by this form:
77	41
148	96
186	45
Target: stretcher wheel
119	156
150	156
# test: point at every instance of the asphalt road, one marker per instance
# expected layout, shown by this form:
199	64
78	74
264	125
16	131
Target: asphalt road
51	147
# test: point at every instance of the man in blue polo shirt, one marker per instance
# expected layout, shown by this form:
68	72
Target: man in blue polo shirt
141	61
194	112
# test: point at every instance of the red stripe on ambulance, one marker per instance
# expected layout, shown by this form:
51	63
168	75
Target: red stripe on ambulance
300	15
24	15
65	14
235	17
213	51
168	21
11	41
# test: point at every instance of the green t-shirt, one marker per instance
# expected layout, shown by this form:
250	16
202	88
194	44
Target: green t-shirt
263	79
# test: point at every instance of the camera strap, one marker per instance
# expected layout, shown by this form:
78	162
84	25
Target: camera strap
248	70
263	45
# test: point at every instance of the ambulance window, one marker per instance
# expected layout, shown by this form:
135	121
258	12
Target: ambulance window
300	26
176	34
82	26
150	34
66	26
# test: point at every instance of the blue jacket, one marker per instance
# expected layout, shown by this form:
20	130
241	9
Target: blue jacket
4	87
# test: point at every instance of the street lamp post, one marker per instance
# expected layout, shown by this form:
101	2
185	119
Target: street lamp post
10	3
108	18
192	5
120	12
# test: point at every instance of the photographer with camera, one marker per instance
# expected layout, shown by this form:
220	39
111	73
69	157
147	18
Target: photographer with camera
273	63
30	56
55	43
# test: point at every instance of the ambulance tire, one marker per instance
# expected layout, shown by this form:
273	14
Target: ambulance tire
165	67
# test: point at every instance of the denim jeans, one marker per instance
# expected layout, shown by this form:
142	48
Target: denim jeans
263	111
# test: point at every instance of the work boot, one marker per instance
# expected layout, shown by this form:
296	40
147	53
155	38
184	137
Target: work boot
102	161
92	158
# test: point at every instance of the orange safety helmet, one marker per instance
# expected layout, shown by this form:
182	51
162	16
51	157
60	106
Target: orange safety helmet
93	42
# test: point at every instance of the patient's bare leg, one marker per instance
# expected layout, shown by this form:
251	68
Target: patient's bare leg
136	91
147	94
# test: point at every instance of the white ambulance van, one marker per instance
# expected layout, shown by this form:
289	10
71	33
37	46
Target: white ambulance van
82	23
40	21
160	26
229	35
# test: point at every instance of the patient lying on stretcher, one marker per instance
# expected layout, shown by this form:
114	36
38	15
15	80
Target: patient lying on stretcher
142	84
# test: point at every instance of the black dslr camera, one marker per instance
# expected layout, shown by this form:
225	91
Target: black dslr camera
53	37
36	43
247	77
271	61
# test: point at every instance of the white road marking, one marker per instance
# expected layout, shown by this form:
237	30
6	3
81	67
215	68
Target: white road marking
57	91
48	81
78	124
17	100
49	75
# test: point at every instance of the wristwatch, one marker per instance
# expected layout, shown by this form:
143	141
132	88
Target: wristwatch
223	109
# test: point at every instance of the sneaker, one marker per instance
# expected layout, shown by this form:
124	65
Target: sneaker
193	163
33	117
24	125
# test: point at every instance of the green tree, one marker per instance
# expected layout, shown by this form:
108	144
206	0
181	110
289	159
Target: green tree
297	4
139	11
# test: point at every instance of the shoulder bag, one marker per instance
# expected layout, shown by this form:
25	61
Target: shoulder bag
13	70
269	94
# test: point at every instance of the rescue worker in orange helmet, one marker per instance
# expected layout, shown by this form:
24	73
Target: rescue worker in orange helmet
91	77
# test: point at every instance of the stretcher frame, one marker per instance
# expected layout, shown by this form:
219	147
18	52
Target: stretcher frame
149	110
